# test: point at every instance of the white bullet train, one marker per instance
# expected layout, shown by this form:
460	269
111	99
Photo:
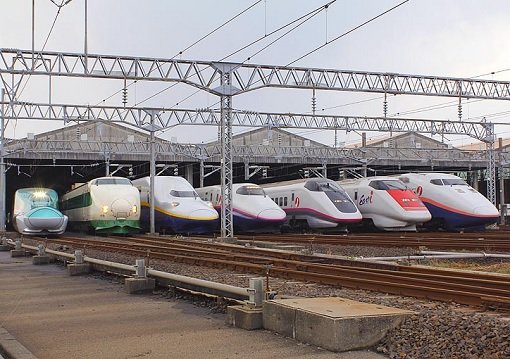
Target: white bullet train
453	204
314	203
36	212
252	210
109	205
177	206
386	203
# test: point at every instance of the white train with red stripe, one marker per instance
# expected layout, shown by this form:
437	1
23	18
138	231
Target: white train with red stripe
252	209
453	204
386	203
315	203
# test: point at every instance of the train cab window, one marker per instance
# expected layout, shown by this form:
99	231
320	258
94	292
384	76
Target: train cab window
285	201
437	182
387	184
251	191
454	182
183	193
112	180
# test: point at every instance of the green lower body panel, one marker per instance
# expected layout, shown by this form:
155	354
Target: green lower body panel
118	226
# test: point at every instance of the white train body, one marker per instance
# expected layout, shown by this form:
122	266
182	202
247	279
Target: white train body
387	203
316	203
36	212
105	205
453	204
252	209
177	206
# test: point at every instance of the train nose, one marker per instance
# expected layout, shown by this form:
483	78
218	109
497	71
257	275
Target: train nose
45	219
271	215
486	210
204	214
121	208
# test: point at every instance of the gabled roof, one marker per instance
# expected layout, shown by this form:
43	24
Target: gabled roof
404	140
262	136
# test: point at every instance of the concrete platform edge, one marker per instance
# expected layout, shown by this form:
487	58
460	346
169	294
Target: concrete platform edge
12	348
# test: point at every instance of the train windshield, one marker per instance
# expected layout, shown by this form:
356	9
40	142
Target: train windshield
183	193
116	181
449	182
335	193
251	191
43	199
387	185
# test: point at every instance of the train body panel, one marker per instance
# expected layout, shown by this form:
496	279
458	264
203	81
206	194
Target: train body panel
36	212
317	203
252	210
387	203
177	206
109	205
452	203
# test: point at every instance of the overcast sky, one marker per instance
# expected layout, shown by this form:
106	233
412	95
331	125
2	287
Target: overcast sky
457	38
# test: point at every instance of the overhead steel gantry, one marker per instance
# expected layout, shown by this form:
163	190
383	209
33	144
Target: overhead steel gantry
227	80
166	118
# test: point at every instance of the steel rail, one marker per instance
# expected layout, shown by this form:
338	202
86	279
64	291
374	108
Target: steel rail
471	291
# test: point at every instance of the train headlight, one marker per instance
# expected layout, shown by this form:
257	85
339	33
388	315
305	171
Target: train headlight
39	194
104	209
174	204
134	209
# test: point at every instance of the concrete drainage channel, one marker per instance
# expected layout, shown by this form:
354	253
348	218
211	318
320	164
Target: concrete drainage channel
336	324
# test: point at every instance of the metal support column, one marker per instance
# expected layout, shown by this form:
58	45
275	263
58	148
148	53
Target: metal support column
226	90
491	164
188	173
2	166
152	175
201	173
502	205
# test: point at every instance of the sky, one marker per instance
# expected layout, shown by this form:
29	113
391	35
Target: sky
455	38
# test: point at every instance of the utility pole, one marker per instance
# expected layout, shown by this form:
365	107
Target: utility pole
152	175
2	166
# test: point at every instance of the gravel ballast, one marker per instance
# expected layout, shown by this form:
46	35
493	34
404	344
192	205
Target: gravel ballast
437	330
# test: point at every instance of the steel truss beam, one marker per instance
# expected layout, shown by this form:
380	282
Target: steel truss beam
205	75
166	118
138	151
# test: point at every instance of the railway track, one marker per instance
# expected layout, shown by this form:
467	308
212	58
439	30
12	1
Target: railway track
475	289
486	241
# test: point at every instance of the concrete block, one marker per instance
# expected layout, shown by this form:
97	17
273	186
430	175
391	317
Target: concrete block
139	285
244	317
335	324
78	269
5	247
18	253
38	260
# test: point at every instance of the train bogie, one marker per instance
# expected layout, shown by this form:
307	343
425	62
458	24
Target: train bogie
36	212
315	203
177	206
453	204
387	203
252	210
109	205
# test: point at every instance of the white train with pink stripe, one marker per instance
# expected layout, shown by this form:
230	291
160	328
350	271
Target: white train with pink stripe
314	203
386	203
453	204
252	209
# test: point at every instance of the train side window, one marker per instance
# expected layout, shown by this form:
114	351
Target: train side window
292	197
356	195
285	201
437	182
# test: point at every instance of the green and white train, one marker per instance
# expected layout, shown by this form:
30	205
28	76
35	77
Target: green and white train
109	205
